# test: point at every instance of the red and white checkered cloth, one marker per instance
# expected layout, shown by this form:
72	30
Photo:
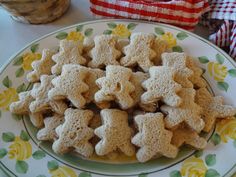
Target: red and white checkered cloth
222	17
182	13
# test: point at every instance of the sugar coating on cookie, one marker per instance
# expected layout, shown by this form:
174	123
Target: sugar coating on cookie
188	136
48	133
104	52
188	112
71	85
139	51
115	133
70	53
22	106
213	108
75	133
42	66
160	46
178	62
152	137
136	79
116	86
196	77
161	86
40	93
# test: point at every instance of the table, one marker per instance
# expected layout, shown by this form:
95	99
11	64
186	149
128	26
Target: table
15	35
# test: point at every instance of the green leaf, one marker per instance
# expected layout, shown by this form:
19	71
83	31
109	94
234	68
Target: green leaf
79	28
7	82
131	26
223	86
177	49
19	72
107	32
17	117
52	165
210	159
198	153
21	166
235	143
181	35
61	35
21	88
3	152
216	139
41	176
24	135
34	48
18	61
111	25
88	32
175	173
85	174
212	173
37	155
159	31
232	72
8	137
220	59
203	59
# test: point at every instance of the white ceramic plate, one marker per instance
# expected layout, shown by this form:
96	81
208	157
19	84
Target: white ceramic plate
21	154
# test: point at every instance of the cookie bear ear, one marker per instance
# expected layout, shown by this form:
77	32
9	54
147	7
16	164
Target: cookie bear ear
104	52
178	62
139	51
115	133
41	67
116	86
70	53
74	133
152	137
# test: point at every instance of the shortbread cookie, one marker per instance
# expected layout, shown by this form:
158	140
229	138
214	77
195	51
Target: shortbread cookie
75	133
152	137
188	112
70	53
48	133
196	78
137	79
71	85
41	67
22	106
161	86
187	136
213	108
88	44
178	62
160	46
36	119
42	102
139	51
121	43
115	133
116	86
104	53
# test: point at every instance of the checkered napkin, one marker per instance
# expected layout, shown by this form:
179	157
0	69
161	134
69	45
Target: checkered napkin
182	13
221	20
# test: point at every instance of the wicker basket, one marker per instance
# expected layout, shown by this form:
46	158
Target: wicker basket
35	11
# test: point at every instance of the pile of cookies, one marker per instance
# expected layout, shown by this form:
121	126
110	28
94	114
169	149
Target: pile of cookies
110	95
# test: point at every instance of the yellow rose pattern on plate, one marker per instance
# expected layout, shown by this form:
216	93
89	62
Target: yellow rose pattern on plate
7	97
75	36
28	58
217	71
193	167
170	39
20	149
63	171
226	129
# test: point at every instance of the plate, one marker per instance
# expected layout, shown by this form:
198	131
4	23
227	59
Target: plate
22	154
